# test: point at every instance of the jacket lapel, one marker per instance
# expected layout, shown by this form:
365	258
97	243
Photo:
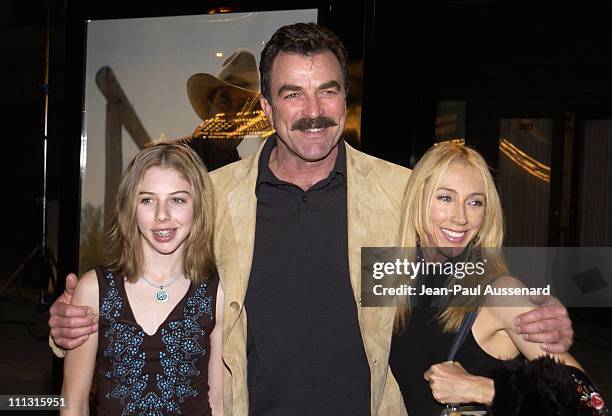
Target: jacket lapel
361	194
242	205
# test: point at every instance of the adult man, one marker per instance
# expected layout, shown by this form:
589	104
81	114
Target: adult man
228	106
283	224
291	221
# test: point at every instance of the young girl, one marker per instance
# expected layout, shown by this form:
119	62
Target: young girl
158	350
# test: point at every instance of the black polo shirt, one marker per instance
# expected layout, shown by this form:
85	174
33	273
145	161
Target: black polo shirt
304	347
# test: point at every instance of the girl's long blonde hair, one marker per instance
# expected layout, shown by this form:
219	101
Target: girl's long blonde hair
124	254
416	226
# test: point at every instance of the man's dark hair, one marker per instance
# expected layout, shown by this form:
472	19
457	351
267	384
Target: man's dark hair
305	39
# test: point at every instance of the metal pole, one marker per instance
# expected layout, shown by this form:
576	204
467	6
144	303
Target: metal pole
46	116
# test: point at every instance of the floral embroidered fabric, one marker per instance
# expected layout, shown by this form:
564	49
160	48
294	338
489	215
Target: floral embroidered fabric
160	374
589	396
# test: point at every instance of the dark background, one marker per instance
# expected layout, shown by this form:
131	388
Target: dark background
503	59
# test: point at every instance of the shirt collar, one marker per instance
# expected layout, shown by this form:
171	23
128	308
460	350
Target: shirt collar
264	173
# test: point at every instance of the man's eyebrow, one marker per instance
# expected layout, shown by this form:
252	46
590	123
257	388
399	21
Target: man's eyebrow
288	88
324	86
329	84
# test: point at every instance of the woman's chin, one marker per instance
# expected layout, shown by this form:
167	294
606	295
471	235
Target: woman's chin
451	251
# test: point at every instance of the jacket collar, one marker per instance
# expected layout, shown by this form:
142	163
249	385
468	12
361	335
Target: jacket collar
352	156
361	194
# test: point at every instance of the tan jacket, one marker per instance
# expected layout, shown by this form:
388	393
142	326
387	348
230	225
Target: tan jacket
375	190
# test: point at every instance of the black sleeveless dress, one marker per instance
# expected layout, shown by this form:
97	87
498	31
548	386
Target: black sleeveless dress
161	374
424	344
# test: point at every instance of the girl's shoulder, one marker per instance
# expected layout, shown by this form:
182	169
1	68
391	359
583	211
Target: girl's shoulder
86	292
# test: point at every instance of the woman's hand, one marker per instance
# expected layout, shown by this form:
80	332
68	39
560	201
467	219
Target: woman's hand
450	383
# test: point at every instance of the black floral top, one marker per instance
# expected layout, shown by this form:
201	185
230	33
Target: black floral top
160	374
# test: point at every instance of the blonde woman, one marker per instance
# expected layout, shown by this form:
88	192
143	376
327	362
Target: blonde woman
158	350
459	207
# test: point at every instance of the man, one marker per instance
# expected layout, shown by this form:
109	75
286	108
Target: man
291	221
228	107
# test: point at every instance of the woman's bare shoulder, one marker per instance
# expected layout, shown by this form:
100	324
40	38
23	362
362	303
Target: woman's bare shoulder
505	306
507	281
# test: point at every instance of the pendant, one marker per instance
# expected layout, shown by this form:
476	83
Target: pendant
161	295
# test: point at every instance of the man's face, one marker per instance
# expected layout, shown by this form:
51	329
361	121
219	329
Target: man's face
227	100
307	106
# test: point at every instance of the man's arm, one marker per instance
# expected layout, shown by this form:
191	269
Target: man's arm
71	325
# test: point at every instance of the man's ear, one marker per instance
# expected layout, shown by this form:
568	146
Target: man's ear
267	108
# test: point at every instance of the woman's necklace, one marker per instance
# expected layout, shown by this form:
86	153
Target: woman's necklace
161	295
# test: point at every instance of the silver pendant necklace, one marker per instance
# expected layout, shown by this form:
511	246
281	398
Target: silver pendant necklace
161	295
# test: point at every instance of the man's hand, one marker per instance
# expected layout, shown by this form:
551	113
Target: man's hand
71	325
548	324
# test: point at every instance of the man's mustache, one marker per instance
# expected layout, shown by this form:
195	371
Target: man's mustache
307	123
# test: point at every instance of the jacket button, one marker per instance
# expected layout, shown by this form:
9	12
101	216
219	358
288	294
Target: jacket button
234	306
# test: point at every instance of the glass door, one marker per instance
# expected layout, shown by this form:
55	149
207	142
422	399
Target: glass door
523	177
